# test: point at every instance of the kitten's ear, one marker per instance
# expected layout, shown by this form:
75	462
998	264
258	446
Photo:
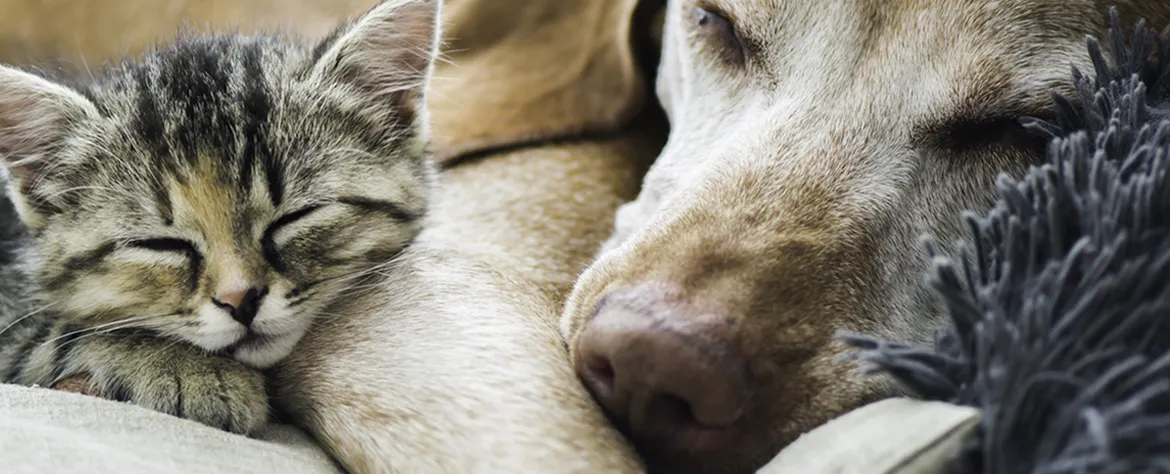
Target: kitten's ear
35	117
388	52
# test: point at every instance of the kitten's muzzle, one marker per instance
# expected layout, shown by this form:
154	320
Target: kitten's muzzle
242	305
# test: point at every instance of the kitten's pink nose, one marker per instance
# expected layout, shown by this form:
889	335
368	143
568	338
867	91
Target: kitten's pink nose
243	305
233	298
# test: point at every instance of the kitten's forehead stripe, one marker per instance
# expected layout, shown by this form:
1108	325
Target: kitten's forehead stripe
257	109
274	178
219	106
148	120
194	79
163	201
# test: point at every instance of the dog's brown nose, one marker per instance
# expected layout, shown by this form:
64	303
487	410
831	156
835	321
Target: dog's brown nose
671	387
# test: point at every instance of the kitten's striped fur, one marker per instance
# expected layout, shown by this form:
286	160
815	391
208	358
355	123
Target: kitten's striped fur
192	212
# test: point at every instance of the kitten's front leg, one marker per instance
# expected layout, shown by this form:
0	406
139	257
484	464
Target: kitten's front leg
165	375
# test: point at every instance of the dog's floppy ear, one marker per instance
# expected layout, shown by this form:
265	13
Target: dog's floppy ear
517	71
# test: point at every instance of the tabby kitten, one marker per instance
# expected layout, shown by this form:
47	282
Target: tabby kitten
190	214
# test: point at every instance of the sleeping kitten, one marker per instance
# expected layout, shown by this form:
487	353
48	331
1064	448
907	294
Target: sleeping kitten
190	214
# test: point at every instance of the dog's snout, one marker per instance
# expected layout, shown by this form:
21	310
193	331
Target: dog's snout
675	387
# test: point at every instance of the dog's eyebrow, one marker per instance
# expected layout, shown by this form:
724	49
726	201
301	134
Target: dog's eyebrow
980	120
988	113
976	109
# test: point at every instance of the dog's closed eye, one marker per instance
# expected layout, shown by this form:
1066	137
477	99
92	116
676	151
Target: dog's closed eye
717	30
970	133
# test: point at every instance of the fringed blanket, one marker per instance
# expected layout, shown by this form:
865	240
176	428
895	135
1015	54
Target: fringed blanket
1060	307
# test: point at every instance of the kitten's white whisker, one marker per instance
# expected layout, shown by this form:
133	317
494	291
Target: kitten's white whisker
347	277
22	318
171	342
344	280
93	188
358	288
85	62
445	57
110	323
93	333
121	323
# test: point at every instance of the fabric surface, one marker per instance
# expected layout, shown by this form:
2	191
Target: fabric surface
49	432
894	436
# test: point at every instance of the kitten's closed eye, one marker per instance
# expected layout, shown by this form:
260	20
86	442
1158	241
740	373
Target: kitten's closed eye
164	245
327	219
271	251
183	247
393	210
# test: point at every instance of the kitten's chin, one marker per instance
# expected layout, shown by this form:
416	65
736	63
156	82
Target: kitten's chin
270	338
262	351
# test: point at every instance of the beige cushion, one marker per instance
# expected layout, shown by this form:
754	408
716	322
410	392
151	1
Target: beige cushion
895	436
49	432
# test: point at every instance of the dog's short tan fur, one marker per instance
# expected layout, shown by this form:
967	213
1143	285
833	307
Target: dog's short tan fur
799	173
458	368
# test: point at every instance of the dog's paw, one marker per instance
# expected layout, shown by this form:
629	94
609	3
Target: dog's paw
181	380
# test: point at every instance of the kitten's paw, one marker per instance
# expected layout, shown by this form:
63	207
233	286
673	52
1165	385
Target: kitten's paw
215	391
183	381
